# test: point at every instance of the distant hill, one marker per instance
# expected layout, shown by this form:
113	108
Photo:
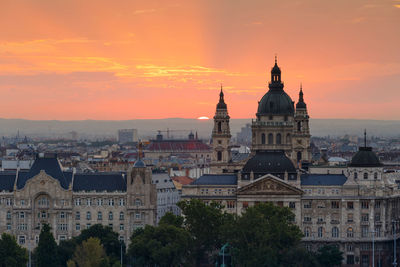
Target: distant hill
147	128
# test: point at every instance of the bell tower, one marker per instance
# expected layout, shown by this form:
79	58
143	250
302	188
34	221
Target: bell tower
301	150
220	138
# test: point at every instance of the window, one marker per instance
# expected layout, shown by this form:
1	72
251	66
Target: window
270	139
8	215
88	225
299	156
350	217
22	202
121	216
365	217
263	138
377	217
137	216
245	205
350	259
335	232
88	215
288	139
307	219
99	216
299	126
350	205
138	202
364	260
219	156
230	204
364	204
364	231
278	139
307	205
21	239
77	227
77	202
121	238
355	175
77	215
350	232
100	202
320	231
62	215
22	215
320	220
349	247
110	215
307	232
111	202
292	205
8	226
121	227
334	204
43	201
365	175
122	202
89	202
219	127
377	204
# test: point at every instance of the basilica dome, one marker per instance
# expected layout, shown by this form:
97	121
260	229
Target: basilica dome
275	102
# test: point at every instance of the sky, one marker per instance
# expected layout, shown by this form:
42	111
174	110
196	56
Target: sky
127	59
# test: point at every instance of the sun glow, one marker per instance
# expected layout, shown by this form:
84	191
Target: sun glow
203	118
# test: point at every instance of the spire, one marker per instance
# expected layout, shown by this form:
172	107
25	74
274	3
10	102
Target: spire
365	137
301	93
276	59
301	103
276	74
221	104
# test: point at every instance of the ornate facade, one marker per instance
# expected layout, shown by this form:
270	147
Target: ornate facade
351	207
70	202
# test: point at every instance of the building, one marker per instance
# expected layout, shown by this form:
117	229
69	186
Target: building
167	195
350	206
127	136
70	202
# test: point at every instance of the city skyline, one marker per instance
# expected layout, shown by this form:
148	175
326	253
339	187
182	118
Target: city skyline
133	59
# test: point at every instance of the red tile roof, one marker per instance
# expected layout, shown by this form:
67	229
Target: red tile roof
178	146
184	180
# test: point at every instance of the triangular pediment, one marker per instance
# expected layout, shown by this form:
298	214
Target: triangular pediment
269	185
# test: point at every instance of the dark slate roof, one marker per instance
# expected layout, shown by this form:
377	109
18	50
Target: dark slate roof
68	176
7	180
269	161
216	179
323	179
50	165
104	181
365	157
275	102
139	164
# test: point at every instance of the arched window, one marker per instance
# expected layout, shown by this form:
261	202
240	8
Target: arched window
278	139
350	232
99	216
263	138
219	127
270	139
288	139
320	231
299	156
219	155
299	126
307	232
335	232
355	175
375	175
365	175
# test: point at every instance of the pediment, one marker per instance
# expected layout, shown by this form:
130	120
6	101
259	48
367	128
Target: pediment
269	185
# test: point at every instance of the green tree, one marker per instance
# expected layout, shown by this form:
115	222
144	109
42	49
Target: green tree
163	245
46	251
206	225
264	235
108	238
329	256
89	254
171	219
66	250
11	254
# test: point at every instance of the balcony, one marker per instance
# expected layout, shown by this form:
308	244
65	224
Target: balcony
335	222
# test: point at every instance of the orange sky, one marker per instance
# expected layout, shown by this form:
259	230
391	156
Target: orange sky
124	59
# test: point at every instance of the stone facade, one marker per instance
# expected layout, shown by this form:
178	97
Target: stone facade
72	208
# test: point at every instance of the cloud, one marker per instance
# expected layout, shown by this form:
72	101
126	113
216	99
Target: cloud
143	11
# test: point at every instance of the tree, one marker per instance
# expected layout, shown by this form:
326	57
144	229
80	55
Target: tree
66	250
171	219
89	254
108	238
329	256
46	251
264	235
11	254
163	245
206	225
